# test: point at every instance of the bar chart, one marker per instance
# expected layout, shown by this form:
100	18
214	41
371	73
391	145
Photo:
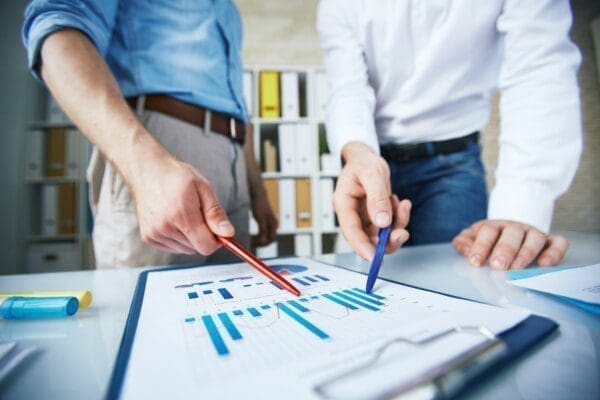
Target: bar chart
225	326
220	291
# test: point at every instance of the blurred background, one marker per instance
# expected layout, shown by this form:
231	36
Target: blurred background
43	158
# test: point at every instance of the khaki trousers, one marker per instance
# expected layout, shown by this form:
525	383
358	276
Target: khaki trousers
116	235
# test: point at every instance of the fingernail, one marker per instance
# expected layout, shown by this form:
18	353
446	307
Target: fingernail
225	225
475	260
519	263
382	218
498	262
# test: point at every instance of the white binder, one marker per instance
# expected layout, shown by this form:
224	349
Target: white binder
326	204
305	151
303	245
289	95
322	95
49	217
287	151
287	205
35	154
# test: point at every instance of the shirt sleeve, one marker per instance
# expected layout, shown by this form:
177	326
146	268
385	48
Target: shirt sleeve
350	109
540	121
44	17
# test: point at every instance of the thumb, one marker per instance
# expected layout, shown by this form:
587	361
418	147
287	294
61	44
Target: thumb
379	200
214	215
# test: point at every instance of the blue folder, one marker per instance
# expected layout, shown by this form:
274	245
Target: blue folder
518	340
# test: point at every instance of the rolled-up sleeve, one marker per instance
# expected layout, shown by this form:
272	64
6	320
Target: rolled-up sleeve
43	17
540	127
352	100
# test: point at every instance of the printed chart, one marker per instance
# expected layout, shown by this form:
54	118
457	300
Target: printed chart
229	323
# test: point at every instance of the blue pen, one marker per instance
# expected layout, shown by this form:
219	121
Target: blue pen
383	237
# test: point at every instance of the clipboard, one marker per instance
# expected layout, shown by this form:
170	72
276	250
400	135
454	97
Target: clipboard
448	382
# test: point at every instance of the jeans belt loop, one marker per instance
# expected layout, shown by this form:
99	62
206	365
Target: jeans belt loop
140	104
207	120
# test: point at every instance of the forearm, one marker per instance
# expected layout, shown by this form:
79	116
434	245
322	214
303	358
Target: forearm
87	91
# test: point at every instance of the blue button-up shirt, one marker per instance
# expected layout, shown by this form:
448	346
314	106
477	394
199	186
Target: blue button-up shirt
189	49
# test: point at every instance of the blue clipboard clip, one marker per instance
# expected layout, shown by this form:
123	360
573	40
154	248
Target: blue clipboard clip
382	240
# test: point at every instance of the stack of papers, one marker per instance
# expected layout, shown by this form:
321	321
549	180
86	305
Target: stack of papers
11	355
579	285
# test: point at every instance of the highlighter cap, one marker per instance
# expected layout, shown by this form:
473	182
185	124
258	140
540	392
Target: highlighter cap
18	307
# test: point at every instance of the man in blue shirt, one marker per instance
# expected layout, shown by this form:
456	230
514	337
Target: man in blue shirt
157	88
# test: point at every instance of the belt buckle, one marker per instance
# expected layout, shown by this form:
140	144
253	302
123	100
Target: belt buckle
232	129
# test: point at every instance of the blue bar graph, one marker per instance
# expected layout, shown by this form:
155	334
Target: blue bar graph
321	277
298	306
238	312
192	295
254	312
356	301
225	293
190	319
378	297
228	324
302	321
364	297
265	306
314	297
304	300
207	291
300	281
215	336
308	278
340	302
276	285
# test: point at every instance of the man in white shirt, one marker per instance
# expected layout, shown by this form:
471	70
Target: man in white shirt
411	83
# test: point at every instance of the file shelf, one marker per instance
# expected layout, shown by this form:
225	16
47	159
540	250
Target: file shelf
56	234
306	120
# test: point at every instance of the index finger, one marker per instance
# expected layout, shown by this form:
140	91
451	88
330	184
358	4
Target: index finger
351	226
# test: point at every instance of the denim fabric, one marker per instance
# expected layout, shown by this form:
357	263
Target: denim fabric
448	192
189	49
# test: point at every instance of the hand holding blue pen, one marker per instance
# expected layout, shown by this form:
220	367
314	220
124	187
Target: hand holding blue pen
383	237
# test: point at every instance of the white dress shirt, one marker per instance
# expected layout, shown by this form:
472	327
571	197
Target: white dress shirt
403	71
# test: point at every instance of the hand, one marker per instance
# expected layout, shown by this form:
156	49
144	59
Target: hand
177	209
364	202
509	245
264	216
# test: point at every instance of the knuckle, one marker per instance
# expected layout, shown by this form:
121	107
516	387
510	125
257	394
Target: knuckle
527	253
215	210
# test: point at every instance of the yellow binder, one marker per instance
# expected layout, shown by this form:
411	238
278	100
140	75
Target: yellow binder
269	94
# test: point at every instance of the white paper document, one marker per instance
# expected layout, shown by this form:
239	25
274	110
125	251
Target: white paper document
581	284
227	332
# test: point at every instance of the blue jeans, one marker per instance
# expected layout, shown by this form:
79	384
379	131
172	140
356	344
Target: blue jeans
448	193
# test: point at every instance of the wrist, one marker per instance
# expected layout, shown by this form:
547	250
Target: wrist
354	150
139	155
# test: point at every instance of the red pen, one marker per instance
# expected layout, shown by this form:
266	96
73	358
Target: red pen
232	245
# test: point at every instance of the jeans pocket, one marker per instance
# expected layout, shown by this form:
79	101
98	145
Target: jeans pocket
468	161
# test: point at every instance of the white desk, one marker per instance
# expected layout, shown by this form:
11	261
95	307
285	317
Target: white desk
76	355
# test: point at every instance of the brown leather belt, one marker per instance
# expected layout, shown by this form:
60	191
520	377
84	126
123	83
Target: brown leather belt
190	113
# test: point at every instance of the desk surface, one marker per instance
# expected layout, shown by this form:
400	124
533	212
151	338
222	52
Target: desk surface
76	355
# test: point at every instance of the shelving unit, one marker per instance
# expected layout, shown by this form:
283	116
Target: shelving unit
43	251
323	239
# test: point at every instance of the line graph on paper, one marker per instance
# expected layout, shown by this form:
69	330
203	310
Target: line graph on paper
243	322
